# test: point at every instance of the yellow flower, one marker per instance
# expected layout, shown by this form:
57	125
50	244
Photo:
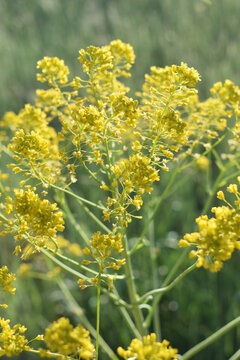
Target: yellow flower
216	239
12	340
30	146
228	92
232	188
38	218
202	163
96	59
54	71
102	248
65	339
49	99
6	280
123	57
220	195
148	349
137	171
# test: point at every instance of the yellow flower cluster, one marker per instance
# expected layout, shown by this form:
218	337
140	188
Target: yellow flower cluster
125	113
218	237
49	100
170	126
12	340
63	338
31	118
53	71
170	84
102	247
30	146
87	119
136	173
227	92
95	59
6	280
148	349
32	139
165	94
123	57
206	118
35	148
103	66
38	218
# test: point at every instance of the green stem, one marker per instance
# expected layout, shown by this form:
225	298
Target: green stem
79	198
85	268
165	283
91	173
98	311
80	314
3	217
213	191
159	202
236	355
163	196
127	317
74	223
95	218
153	262
212	338
63	266
55	355
137	314
169	287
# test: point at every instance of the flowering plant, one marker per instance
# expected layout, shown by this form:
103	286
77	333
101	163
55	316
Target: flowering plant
89	126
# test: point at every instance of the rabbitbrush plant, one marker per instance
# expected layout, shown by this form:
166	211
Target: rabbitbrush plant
89	125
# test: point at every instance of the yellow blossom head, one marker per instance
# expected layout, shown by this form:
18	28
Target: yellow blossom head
53	71
62	337
148	349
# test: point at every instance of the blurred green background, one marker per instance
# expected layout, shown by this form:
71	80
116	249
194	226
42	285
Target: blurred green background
205	34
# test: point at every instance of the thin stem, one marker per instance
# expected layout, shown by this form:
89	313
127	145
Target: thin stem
154	292
209	150
95	218
98	311
91	173
212	338
3	217
236	355
165	283
153	257
159	202
213	191
178	169
137	314
82	267
127	317
80	313
51	354
64	266
79	198
74	223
